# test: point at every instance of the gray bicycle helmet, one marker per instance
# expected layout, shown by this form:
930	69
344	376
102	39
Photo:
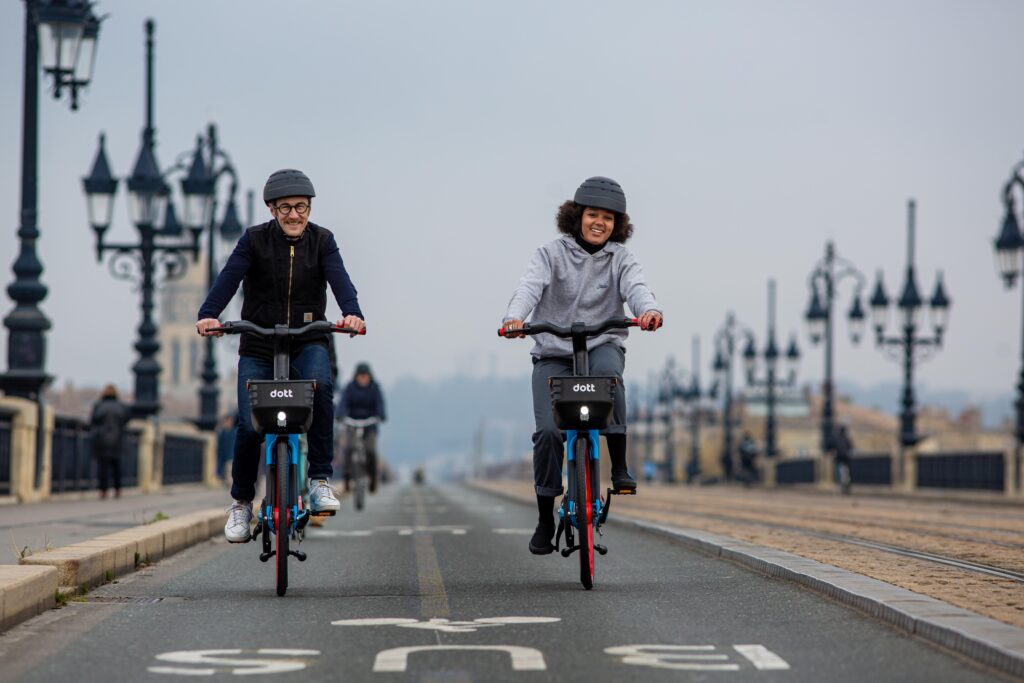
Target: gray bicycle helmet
287	182
603	193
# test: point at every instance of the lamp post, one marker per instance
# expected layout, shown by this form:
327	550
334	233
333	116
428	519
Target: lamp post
824	280
910	347
671	389
771	381
1009	246
68	31
693	399
726	344
200	190
156	220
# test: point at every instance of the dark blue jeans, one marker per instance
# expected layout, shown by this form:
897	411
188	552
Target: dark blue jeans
311	362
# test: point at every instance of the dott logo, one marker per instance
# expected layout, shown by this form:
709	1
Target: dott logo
281	393
584	387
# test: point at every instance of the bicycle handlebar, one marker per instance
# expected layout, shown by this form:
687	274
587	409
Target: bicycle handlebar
538	327
240	326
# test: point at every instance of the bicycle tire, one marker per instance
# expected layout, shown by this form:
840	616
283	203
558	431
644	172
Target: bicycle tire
584	512
282	500
359	499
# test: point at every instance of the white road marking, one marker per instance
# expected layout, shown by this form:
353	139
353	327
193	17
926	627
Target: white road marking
224	661
336	533
678	657
446	625
396	659
761	657
524	532
458	530
384	621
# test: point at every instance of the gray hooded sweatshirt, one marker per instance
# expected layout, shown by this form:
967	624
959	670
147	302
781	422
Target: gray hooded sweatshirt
564	284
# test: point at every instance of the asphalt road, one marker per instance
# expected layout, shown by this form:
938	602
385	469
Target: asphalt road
436	584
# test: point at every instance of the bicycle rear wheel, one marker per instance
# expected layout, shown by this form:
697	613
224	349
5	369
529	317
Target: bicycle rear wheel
282	500
584	512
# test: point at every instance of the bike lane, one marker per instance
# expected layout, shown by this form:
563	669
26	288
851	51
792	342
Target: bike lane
437	584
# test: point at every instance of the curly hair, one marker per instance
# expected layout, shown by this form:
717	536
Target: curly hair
569	220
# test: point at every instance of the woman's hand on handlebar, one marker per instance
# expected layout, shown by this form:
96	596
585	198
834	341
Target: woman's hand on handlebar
352	322
512	325
208	327
650	321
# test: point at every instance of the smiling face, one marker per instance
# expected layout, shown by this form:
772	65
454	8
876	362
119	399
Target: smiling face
597	225
286	211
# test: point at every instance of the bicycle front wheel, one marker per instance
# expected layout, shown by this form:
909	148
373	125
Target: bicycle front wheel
584	512
282	501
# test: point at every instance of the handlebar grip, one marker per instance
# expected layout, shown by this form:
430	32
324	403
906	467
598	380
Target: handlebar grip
347	330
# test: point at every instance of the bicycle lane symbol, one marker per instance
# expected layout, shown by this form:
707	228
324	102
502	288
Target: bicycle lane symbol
697	657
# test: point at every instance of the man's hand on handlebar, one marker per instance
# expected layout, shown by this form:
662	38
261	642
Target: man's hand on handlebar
512	325
352	322
208	327
650	321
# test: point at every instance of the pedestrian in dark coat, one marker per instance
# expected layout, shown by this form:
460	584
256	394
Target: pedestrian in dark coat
106	438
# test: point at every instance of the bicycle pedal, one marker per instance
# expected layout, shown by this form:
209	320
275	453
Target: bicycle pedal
266	556
325	513
566	552
600	548
623	492
299	554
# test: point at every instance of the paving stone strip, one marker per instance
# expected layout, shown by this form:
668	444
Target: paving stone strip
985	640
32	586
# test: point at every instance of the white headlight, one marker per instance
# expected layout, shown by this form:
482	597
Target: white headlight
584	410
281	417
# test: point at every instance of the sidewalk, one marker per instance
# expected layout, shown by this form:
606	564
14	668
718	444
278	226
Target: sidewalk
61	522
793	521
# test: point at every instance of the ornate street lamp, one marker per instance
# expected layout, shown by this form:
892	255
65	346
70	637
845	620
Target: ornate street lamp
153	255
910	347
771	381
824	280
726	346
59	26
1009	246
200	188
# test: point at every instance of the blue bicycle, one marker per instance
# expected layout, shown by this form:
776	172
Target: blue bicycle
282	410
583	407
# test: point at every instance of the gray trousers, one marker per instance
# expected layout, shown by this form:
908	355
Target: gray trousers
608	360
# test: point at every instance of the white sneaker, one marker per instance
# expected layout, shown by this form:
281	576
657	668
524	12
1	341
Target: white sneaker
321	496
236	530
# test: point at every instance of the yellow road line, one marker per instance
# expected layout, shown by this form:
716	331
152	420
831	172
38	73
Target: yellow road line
433	597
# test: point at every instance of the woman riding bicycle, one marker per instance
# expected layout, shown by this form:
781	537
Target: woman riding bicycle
284	266
586	275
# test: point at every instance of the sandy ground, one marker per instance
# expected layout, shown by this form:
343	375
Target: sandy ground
987	534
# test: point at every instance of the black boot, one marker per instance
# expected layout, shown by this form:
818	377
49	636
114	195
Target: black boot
622	480
540	543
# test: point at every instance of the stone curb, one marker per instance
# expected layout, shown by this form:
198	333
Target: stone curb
25	592
982	639
30	587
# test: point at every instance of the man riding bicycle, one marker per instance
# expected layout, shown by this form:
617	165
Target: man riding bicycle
284	267
362	399
586	275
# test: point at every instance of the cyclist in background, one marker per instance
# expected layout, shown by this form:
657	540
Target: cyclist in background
585	275
361	400
284	266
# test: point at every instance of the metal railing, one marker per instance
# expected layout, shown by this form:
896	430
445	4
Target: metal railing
74	468
183	459
795	471
872	468
979	471
6	437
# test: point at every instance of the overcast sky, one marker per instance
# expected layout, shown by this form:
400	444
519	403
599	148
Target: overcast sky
441	137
